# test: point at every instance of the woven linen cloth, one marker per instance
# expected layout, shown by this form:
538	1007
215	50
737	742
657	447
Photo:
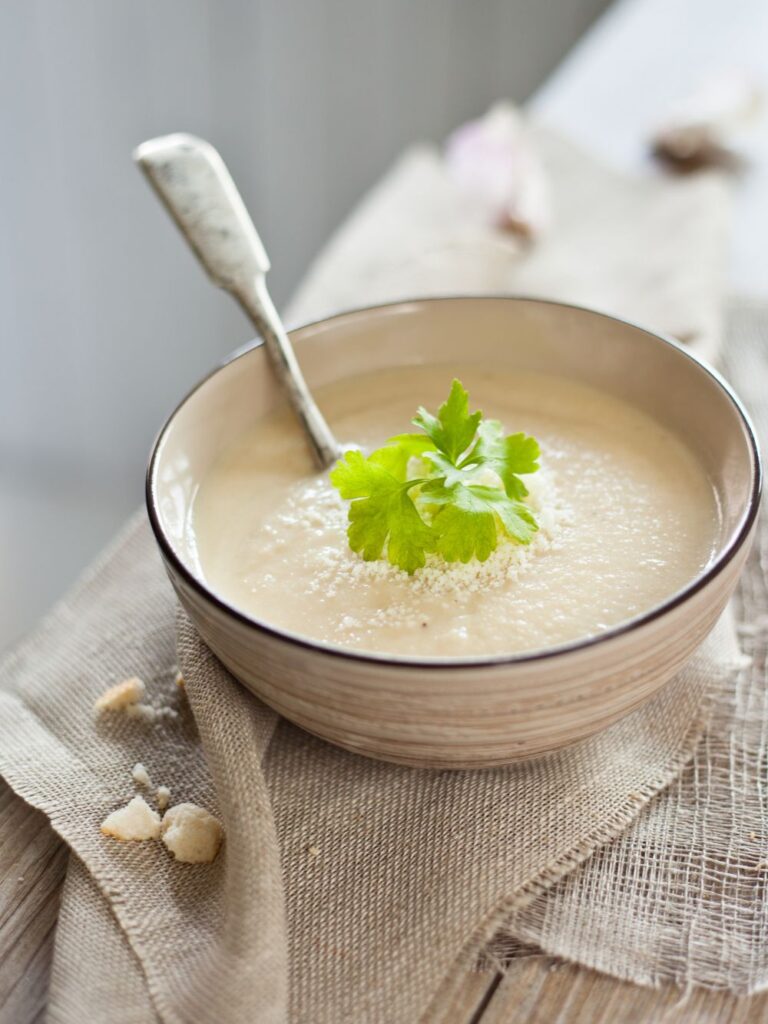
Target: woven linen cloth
346	890
414	869
681	896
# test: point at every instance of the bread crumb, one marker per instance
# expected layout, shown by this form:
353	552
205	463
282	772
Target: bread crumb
313	850
179	680
143	711
150	714
191	834
134	822
140	775
122	695
163	797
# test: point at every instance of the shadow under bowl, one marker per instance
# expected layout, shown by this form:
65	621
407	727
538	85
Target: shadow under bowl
480	711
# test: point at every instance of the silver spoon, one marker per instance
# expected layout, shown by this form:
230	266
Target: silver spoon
194	184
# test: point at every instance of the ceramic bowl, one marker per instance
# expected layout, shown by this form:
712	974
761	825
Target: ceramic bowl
463	712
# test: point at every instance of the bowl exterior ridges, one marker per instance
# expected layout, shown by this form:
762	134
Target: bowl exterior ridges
490	711
449	716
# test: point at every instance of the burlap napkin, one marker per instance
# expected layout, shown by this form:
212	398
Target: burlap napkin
346	890
414	869
681	895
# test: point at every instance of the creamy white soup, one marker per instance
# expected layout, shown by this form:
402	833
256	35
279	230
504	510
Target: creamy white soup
626	517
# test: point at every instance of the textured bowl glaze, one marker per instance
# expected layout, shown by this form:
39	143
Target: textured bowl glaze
468	712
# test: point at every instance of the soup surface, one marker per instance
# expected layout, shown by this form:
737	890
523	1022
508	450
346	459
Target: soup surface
626	518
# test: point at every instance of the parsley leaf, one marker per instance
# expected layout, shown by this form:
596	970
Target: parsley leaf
506	456
453	429
398	452
382	513
449	507
469	518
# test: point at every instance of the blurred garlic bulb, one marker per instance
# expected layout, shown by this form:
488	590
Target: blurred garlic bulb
704	128
493	161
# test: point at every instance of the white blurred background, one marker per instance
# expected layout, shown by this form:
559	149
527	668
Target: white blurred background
105	319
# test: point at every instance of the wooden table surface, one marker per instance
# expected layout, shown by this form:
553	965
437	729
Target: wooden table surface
636	48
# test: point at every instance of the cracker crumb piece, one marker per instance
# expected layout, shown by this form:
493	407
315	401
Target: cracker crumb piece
163	797
134	822
312	850
191	834
122	695
140	775
179	680
143	711
148	713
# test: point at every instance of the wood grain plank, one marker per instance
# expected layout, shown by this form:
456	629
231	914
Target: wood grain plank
540	990
33	861
467	1002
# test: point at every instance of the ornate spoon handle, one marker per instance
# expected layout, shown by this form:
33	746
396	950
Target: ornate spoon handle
195	186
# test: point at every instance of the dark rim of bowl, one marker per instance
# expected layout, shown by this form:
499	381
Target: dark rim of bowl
489	661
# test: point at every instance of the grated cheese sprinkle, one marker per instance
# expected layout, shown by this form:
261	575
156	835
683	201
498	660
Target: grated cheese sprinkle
316	509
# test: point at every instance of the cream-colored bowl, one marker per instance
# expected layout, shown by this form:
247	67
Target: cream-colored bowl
468	712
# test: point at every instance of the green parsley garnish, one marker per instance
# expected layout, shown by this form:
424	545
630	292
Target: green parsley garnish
448	508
